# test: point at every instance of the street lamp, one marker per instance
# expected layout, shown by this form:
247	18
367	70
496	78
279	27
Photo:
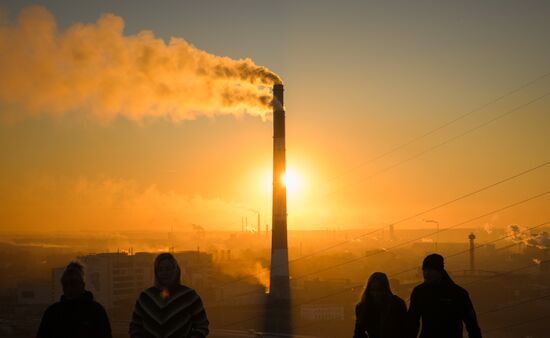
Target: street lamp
437	232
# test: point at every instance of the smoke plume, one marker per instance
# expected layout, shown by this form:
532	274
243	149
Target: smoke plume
95	69
534	240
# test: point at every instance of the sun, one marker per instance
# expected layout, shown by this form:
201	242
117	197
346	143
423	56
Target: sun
292	181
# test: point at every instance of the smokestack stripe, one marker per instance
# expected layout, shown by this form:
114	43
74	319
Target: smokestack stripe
279	277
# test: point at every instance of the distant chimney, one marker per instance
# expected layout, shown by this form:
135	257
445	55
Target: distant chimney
392	233
472	238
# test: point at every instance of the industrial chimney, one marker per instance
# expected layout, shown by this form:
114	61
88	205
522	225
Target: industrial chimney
472	238
279	279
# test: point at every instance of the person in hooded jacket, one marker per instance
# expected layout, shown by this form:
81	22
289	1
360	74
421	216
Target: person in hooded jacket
442	305
76	315
168	309
380	313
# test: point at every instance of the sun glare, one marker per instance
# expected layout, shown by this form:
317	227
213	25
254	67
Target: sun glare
295	182
292	181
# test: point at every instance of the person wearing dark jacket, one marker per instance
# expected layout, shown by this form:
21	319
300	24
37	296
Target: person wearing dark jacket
168	309
76	315
442	305
380	313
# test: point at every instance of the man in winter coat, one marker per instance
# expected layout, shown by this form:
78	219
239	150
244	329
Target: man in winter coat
441	304
76	315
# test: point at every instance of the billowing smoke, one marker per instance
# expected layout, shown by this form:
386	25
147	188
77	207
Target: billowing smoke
515	232
97	70
534	240
489	227
197	228
256	270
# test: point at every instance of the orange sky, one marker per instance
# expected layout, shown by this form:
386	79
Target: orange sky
92	162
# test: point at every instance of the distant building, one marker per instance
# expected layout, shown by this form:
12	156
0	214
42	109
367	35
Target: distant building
196	267
32	298
113	277
34	293
118	278
322	312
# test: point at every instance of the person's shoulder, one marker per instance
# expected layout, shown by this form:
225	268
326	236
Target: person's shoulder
421	291
184	289
53	308
460	290
422	287
359	308
97	305
150	289
151	292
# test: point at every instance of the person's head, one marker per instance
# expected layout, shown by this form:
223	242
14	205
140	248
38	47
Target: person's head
72	280
377	289
167	271
433	269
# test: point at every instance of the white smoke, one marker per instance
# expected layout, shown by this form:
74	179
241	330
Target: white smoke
97	70
519	234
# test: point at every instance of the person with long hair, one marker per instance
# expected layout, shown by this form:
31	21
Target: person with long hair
168	309
442	305
379	313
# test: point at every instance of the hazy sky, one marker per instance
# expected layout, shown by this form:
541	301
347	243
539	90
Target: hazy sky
361	77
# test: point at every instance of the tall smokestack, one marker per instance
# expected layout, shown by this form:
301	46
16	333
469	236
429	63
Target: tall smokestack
279	279
472	238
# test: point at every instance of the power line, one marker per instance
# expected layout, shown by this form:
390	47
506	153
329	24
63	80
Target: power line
477	127
418	238
439	206
456	254
444	125
448	256
438	146
492	185
431	234
498	117
441	144
433	148
352	288
525	301
456	136
415	239
525	267
479	246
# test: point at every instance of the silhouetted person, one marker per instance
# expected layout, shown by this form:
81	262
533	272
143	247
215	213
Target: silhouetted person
76	315
168	309
380	313
441	304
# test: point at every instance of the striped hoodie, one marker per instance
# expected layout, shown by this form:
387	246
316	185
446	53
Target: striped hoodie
177	315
